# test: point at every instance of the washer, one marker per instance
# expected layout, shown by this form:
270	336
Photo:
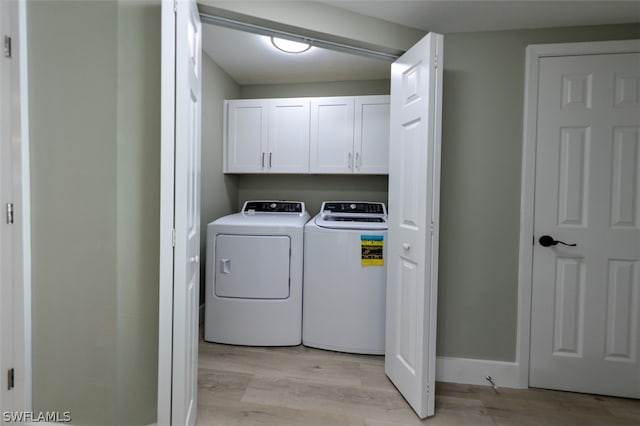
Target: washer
345	278
254	275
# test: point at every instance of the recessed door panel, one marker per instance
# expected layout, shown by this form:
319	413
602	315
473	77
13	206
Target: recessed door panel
252	266
569	307
625	182
622	311
406	350
574	156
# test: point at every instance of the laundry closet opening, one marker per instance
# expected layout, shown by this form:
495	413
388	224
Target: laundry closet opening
241	65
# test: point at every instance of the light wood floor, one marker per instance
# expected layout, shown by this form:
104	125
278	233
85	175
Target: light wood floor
298	386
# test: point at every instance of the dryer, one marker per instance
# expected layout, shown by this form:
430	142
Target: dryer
254	275
344	300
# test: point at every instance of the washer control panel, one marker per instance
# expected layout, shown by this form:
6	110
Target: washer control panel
338	207
273	206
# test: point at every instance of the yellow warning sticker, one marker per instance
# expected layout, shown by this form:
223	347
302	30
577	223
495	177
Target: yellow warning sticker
372	249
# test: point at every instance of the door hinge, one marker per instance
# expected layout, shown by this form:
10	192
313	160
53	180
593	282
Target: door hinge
435	61
9	213
7	47
431	228
10	379
173	237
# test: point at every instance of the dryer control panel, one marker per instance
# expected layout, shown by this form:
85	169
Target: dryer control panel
273	206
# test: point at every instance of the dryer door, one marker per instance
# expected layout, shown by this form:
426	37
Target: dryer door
252	266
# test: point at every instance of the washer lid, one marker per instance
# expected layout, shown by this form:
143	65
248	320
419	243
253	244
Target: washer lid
352	215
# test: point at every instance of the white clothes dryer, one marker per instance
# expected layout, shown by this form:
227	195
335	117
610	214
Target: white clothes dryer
344	301
254	275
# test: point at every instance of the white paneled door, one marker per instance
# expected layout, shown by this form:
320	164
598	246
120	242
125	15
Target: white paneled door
585	324
180	213
412	250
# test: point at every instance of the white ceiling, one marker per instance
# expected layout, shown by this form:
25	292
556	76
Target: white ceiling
250	59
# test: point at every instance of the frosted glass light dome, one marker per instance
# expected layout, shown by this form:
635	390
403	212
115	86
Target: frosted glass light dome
290	46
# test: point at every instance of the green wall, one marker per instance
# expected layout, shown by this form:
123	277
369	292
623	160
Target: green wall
94	84
219	191
311	189
483	98
138	211
335	88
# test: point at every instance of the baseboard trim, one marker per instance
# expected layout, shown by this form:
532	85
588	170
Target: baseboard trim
475	372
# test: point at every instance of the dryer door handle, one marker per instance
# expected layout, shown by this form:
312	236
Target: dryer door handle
225	266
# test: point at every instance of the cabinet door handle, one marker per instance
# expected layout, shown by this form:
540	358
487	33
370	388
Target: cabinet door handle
358	161
263	160
270	156
349	160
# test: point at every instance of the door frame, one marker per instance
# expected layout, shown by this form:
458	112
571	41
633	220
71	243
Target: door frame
534	53
167	200
15	25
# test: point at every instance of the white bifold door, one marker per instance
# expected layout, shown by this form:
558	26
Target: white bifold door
585	324
414	194
180	213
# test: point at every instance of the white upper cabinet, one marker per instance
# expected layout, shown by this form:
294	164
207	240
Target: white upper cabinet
331	135
371	135
247	133
337	135
288	136
350	135
267	136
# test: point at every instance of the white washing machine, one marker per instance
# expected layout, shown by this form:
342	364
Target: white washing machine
345	278
254	275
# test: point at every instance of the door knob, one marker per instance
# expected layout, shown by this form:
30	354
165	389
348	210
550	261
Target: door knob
548	241
406	246
194	259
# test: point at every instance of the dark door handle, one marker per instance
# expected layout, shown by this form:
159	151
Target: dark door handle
548	241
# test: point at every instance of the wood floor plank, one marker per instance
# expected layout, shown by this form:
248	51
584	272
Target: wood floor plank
247	414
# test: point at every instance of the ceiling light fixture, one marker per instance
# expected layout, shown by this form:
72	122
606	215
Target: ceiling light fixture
290	46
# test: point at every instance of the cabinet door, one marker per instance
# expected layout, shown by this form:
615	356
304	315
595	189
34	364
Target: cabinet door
288	136
331	135
371	141
247	129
